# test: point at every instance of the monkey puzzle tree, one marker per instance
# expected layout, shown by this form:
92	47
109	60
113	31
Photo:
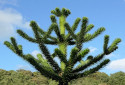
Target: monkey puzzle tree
48	66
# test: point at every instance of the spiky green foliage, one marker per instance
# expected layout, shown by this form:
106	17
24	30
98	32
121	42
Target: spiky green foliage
48	66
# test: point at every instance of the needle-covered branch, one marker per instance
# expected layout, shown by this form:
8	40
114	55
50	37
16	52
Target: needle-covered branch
73	55
42	60
82	62
99	57
70	31
53	19
50	42
30	59
10	46
93	61
89	27
113	46
47	34
75	25
25	36
82	31
60	55
81	55
99	31
89	37
58	12
105	46
44	63
46	41
13	41
43	47
65	12
57	31
40	68
14	47
93	70
43	32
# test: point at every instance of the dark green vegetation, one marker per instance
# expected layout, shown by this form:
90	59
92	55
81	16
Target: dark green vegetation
23	77
66	72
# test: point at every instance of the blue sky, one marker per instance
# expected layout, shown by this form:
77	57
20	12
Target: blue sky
16	14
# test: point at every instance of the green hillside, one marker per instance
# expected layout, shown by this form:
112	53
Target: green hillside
24	77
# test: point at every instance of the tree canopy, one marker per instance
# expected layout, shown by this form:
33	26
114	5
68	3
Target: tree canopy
48	66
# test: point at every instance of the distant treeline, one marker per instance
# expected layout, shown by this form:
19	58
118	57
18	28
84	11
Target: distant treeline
24	77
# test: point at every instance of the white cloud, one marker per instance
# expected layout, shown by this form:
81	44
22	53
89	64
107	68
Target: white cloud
110	55
117	65
9	20
92	49
34	53
113	56
25	67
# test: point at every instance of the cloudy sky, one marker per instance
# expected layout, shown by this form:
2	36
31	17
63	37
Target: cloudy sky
17	14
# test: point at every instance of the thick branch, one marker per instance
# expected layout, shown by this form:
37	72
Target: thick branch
93	70
94	60
43	48
25	36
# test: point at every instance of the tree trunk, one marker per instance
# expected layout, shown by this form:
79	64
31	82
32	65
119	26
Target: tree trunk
63	83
